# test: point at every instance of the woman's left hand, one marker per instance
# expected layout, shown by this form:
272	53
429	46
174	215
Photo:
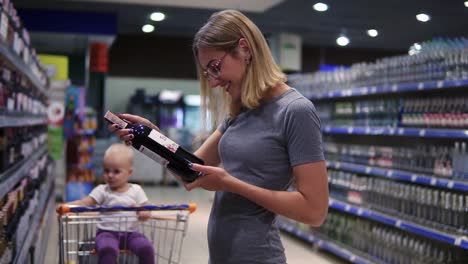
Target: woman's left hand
143	215
211	178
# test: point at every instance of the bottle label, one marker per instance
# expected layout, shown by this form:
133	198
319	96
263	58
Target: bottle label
150	154
163	140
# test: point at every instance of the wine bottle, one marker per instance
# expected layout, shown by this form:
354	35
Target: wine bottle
160	148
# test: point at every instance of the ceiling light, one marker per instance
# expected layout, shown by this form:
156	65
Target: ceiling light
423	17
342	41
466	3
372	33
417	46
321	7
147	28
157	16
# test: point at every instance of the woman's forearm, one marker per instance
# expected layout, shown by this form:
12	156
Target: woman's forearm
293	204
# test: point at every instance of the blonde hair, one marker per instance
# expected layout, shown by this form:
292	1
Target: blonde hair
121	150
223	31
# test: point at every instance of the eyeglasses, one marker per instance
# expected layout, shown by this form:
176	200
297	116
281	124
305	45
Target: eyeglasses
213	69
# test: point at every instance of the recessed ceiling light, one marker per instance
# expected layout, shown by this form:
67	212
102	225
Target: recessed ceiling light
342	41
466	3
157	16
372	33
147	28
321	7
423	17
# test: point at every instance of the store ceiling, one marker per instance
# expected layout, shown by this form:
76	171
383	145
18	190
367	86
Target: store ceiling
395	19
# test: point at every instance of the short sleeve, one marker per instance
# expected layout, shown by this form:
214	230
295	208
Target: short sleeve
303	133
98	193
140	194
224	125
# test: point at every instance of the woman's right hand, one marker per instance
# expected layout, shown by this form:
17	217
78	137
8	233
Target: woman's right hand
126	134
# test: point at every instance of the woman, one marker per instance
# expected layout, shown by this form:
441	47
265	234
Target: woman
270	139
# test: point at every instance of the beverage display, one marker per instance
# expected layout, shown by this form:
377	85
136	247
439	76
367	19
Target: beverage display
439	209
441	160
160	148
437	59
430	112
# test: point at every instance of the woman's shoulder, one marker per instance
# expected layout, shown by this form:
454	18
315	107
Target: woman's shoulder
296	102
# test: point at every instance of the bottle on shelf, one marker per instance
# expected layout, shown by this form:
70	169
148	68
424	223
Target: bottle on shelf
160	148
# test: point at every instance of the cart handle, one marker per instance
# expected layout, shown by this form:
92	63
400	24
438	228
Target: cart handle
64	209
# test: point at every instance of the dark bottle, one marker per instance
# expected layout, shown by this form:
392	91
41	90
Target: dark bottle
160	148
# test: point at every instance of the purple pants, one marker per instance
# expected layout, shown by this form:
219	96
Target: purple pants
108	244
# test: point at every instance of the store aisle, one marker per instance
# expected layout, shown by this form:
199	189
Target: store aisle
195	248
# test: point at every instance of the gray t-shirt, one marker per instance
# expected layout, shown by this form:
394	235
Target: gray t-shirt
261	146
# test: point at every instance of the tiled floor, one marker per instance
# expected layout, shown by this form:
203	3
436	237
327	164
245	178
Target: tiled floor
195	248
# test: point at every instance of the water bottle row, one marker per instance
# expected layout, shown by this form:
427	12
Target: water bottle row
439	209
435	112
439	59
440	160
388	245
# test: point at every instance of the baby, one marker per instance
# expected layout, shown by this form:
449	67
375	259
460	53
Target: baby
112	236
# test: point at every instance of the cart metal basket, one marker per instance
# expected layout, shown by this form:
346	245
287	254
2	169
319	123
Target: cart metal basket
166	229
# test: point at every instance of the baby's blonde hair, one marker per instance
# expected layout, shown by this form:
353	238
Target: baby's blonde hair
121	150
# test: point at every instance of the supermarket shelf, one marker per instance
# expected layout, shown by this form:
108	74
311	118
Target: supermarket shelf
88	166
400	175
86	149
408	132
47	231
321	243
19	64
13	175
21	256
459	241
19	121
86	132
388	89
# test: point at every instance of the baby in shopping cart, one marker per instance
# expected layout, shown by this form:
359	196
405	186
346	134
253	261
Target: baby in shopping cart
112	236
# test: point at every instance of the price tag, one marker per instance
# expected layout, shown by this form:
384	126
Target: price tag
401	131
368	130
433	181
414	177
422	132
450	184
347	208
350	130
360	211
352	258
327	129
420	86
338	165
330	94
459	240
368	170
390	173
398	223
365	90
373	89
440	84
320	243
392	131
394	88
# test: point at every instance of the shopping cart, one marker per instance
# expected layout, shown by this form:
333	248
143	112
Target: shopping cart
166	228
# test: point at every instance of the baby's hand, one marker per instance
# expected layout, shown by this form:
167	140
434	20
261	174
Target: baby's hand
143	215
